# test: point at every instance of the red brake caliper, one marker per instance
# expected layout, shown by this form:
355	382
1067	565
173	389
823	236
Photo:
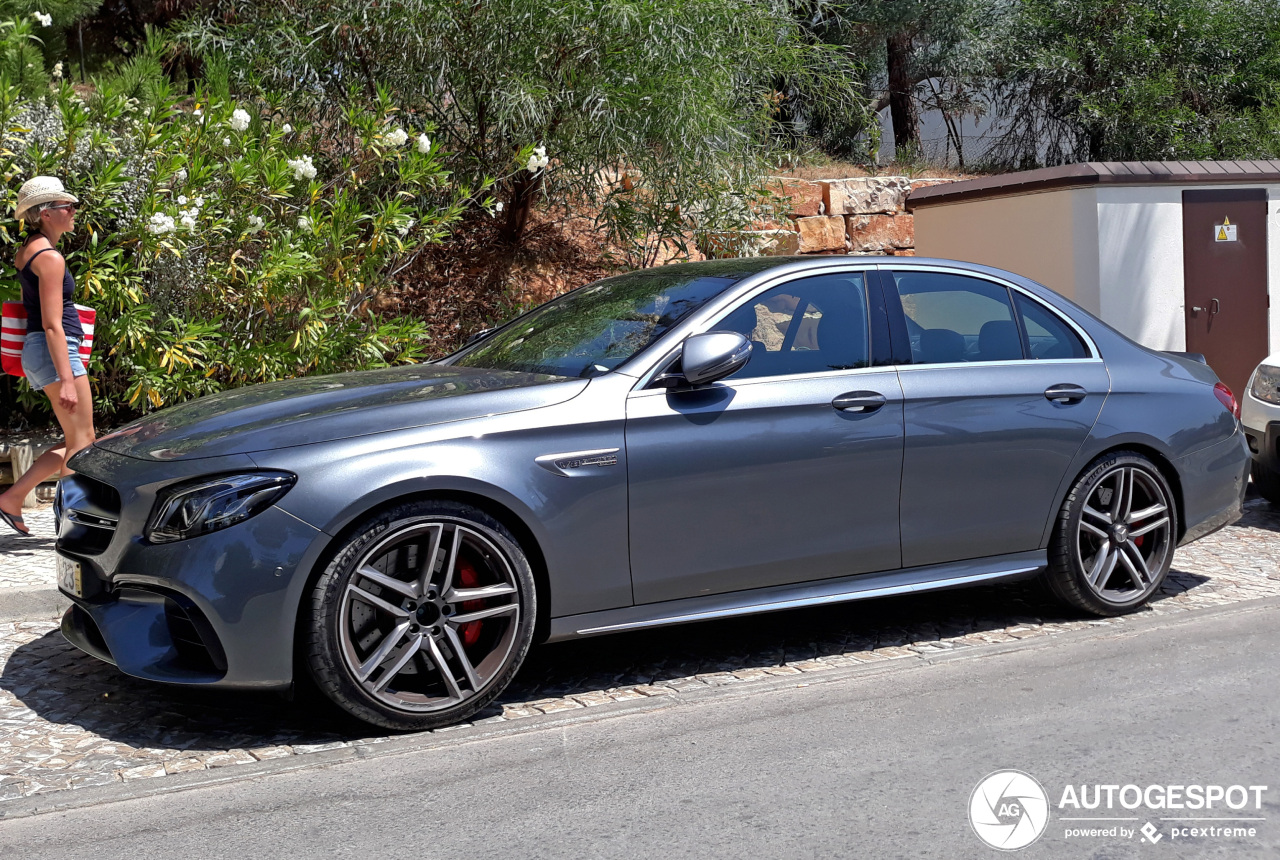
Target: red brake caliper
467	575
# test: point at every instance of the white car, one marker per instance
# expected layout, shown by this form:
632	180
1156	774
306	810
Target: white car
1260	414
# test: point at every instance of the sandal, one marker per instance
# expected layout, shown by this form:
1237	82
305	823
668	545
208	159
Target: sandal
16	523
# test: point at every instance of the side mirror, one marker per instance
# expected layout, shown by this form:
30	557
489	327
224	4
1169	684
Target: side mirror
707	357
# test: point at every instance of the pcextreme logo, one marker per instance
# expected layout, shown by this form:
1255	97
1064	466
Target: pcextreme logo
1009	810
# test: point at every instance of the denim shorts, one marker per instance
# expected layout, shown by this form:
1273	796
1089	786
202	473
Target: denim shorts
37	363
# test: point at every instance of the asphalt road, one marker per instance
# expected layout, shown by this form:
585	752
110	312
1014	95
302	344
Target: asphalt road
867	766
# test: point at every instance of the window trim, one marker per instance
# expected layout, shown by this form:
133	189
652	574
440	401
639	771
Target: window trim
889	283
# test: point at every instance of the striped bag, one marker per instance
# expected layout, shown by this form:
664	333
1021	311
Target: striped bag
13	332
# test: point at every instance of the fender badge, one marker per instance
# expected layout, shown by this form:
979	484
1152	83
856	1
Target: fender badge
564	464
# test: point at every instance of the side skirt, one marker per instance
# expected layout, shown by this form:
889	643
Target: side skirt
1003	568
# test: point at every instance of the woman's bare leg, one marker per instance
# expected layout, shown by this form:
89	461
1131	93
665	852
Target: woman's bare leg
78	432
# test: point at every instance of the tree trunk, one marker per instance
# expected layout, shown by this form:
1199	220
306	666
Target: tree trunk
524	191
902	105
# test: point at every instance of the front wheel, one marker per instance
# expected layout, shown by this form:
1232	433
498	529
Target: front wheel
1114	538
423	617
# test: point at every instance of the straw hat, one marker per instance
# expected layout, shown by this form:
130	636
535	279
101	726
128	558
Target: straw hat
41	189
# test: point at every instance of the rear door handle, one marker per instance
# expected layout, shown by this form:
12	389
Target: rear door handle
1065	393
859	401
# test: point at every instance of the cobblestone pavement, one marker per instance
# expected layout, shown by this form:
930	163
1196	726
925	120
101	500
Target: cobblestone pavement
27	562
67	720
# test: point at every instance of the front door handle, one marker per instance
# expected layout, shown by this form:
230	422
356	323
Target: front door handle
1214	307
859	401
1065	393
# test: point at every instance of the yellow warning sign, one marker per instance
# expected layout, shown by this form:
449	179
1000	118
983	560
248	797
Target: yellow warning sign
1224	232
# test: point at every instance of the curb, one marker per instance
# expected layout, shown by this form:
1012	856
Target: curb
32	604
495	728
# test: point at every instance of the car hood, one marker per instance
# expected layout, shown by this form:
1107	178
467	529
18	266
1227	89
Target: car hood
327	408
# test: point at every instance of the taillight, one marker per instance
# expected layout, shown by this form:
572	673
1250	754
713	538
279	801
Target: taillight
1226	398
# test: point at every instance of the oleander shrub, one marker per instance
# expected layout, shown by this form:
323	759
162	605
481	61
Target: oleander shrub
223	240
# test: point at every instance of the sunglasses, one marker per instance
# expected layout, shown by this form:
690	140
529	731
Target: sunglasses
62	206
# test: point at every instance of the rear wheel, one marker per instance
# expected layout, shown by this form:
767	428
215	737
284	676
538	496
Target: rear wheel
423	618
1267	482
1114	538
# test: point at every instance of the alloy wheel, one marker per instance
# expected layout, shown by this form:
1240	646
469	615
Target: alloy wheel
1125	536
429	616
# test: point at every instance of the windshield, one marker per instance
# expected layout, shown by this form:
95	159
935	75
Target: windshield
596	328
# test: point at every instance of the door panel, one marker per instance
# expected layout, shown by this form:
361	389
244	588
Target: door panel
993	414
1225	282
762	482
985	453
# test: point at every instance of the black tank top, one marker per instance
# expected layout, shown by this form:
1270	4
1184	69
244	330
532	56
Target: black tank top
31	299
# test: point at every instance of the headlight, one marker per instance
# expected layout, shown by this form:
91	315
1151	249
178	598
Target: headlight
1266	384
188	510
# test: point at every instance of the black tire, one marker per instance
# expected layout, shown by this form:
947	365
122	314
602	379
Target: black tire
1267	482
378	611
1079	556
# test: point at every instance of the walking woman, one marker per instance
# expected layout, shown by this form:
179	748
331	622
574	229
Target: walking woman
51	351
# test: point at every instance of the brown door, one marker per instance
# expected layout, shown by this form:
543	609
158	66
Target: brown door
1224	263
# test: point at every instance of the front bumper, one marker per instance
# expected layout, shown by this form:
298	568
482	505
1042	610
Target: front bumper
219	609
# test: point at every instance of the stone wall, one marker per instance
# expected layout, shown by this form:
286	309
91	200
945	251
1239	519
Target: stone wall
862	215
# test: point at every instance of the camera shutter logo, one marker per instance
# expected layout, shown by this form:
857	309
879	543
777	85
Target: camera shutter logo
1009	810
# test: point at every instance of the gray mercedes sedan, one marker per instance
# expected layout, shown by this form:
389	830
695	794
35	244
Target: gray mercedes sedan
677	444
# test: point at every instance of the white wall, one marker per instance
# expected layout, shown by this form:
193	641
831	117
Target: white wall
1140	263
1273	265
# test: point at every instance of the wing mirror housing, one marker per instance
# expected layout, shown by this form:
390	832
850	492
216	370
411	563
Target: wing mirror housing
706	358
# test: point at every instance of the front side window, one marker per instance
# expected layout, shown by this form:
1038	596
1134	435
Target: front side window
810	325
953	318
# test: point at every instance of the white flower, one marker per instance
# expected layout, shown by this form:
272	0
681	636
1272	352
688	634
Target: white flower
406	228
45	20
189	222
302	167
255	223
424	144
197	113
182	200
497	207
160	224
199	201
57	70
226	141
538	160
304	223
397	137
181	175
286	128
239	119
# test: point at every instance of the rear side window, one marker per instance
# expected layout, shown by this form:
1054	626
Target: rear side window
953	318
1048	335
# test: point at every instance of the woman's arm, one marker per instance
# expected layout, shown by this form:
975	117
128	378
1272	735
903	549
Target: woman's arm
51	270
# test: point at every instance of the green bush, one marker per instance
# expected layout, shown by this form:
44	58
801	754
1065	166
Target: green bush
659	115
224	241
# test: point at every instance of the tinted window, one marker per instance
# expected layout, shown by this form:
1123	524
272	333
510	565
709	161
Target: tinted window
809	325
953	318
1048	335
596	328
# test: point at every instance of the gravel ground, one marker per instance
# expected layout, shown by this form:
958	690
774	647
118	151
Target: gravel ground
68	720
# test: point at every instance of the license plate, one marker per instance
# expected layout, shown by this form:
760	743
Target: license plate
70	578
